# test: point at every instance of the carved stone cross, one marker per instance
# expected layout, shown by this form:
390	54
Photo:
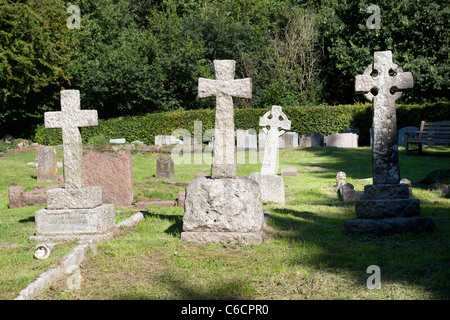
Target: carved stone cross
70	118
276	119
224	88
382	83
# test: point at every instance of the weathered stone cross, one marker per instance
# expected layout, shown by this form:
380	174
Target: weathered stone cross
70	118
224	88
377	83
276	119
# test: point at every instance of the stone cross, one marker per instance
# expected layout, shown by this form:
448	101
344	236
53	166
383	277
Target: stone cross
276	119
70	118
224	88
382	83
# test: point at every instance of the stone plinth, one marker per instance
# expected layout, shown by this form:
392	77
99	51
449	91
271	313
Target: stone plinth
271	186
74	224
223	211
383	227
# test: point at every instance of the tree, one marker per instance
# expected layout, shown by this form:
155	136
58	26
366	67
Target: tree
33	54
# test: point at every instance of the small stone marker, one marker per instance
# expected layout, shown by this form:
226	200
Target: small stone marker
118	141
74	212
181	198
46	165
386	207
276	119
164	168
224	88
290	171
164	140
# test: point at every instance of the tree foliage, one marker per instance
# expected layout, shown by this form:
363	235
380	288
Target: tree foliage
134	57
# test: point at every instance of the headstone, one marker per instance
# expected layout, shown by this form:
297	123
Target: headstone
276	120
290	171
401	134
118	141
46	165
75	212
385	201
164	168
271	185
164	140
311	140
223	208
224	88
250	142
290	140
240	136
342	140
113	174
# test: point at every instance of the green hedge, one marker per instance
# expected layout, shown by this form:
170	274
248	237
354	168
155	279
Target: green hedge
324	119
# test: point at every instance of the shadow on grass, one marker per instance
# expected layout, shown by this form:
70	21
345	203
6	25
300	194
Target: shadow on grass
175	228
412	259
29	219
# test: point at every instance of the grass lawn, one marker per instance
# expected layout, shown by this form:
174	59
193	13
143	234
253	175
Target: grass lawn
305	253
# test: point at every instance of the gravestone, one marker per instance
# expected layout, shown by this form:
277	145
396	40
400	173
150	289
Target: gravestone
224	88
164	168
311	140
342	140
164	140
272	186
250	142
240	139
113	174
401	134
46	165
290	140
75	212
386	207
223	207
272	119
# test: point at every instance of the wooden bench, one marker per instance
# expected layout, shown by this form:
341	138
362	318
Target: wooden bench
430	133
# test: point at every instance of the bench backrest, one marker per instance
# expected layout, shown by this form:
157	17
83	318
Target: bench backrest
439	130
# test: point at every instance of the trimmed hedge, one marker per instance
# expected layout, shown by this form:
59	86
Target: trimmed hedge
306	119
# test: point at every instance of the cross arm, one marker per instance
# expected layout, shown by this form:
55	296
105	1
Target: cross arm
363	83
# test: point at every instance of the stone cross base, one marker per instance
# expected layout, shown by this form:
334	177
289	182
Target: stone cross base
64	225
246	238
271	186
382	227
223	210
388	209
